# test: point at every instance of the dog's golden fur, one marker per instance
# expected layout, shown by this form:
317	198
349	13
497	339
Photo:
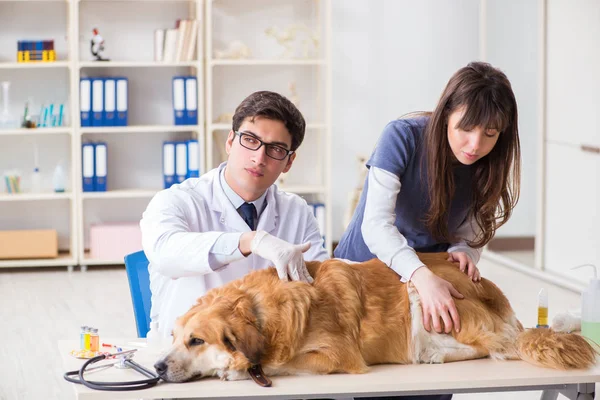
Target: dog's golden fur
353	316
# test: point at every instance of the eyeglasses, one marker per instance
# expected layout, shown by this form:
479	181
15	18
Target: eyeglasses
253	143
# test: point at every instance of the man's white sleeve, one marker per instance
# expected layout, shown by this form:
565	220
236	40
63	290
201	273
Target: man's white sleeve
379	232
172	248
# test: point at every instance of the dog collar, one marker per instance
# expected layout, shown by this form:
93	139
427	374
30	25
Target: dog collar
258	376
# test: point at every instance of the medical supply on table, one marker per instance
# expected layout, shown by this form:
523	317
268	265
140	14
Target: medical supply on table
542	309
94	339
123	359
590	308
82	333
567	321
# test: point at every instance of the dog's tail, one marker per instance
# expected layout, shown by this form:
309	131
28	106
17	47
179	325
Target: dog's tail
548	348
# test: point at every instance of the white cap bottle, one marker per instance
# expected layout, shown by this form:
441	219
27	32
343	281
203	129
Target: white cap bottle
590	308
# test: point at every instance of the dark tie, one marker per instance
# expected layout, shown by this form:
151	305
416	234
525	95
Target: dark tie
248	213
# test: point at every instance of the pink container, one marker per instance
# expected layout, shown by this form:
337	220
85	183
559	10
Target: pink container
115	240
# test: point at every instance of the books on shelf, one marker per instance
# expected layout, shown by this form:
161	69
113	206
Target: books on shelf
176	45
103	101
185	100
180	161
94	166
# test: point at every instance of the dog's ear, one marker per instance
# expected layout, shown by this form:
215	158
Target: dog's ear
245	335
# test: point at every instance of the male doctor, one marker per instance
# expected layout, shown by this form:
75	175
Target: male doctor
208	231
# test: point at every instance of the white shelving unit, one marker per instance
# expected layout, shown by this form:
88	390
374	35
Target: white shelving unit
137	148
228	81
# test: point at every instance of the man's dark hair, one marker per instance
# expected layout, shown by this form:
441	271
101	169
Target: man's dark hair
273	106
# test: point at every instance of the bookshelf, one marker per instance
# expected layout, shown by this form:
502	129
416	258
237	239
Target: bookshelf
137	147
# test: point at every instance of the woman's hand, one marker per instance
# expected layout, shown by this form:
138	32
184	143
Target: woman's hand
465	265
436	301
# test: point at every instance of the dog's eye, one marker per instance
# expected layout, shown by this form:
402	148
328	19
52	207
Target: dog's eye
196	341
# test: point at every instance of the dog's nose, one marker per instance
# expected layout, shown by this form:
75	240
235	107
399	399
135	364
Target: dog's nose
161	367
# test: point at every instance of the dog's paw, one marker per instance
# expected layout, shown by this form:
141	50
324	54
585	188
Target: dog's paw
233	375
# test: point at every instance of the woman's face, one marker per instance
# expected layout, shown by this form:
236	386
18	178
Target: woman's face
469	146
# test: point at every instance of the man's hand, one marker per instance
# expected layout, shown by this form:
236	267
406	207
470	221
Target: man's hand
287	257
465	264
436	300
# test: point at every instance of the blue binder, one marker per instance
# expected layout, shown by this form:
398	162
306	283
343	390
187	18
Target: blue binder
110	99
193	159
191	101
179	100
88	166
168	164
85	101
100	150
181	161
122	101
97	102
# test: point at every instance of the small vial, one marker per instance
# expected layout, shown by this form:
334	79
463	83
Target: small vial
542	309
82	337
86	338
94	339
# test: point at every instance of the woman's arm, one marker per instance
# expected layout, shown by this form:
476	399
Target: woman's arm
390	246
379	232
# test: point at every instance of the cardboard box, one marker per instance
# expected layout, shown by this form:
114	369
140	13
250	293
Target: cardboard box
22	244
115	240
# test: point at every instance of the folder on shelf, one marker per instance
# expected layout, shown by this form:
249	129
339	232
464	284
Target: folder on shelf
168	164
101	166
97	102
85	101
122	101
181	161
193	159
110	99
88	166
191	101
179	100
320	216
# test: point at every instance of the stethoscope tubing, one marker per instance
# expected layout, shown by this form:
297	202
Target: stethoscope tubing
113	386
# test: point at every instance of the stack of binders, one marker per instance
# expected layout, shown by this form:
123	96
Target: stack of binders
103	101
319	211
180	161
40	50
94	166
185	100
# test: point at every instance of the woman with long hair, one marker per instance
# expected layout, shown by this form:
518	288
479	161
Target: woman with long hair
443	181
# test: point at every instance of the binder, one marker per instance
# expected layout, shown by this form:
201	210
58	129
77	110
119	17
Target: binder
85	101
88	166
168	164
191	101
320	215
193	159
101	166
122	101
179	100
97	102
181	161
110	99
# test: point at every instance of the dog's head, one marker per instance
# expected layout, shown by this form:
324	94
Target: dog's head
218	336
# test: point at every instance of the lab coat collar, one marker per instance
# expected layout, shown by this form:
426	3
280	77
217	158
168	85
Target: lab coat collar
267	221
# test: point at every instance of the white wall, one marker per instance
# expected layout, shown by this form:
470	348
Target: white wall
393	57
390	58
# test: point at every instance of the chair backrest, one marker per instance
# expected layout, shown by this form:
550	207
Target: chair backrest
136	265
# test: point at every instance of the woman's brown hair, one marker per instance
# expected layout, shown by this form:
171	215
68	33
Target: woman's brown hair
489	103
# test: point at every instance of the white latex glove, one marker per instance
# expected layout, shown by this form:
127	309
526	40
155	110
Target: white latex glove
287	257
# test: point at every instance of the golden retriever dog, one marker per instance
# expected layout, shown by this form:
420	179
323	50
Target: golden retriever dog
352	316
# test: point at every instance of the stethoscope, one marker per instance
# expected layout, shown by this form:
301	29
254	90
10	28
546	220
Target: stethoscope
123	360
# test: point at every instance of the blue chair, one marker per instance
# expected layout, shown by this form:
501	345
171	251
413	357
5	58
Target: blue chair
136	265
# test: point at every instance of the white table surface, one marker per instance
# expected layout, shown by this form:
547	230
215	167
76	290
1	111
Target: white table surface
466	376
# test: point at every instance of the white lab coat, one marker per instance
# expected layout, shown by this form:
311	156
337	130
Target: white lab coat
180	227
